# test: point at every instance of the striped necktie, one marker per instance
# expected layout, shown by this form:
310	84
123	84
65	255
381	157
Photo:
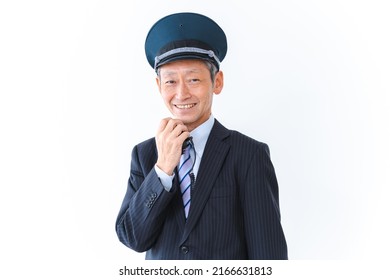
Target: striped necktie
186	178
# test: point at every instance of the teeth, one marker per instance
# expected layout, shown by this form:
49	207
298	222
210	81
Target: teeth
186	106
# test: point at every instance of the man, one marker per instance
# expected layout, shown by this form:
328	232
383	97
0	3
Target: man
198	190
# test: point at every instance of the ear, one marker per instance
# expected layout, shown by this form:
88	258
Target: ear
158	84
218	84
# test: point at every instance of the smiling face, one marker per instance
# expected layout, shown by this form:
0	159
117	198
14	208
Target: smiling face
187	90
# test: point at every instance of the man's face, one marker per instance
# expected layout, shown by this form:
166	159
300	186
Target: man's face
187	90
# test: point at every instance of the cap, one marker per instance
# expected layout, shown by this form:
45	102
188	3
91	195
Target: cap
185	36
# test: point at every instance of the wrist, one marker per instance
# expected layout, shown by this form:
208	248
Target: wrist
165	169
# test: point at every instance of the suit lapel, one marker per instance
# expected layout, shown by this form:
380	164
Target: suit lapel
212	160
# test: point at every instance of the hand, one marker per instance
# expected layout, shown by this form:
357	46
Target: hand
169	139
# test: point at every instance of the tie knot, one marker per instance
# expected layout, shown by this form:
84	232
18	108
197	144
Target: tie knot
187	145
186	157
188	148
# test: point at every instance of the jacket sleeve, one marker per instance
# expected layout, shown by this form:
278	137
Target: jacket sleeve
263	230
143	209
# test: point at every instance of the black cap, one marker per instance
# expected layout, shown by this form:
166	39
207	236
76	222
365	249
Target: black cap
185	36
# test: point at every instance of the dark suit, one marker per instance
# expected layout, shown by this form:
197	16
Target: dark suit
234	211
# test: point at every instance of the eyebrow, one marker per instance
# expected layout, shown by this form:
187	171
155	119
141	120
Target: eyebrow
172	73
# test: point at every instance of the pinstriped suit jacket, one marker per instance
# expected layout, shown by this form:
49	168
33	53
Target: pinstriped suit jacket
234	211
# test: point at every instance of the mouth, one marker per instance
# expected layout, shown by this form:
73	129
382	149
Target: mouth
185	106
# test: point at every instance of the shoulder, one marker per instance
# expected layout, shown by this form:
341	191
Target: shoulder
144	156
244	145
238	137
235	136
237	140
145	148
147	144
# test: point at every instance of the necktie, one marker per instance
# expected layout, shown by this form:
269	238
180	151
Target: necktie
186	178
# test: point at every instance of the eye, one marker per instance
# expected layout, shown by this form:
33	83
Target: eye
194	80
169	82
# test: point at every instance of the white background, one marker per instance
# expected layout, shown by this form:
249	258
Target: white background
309	78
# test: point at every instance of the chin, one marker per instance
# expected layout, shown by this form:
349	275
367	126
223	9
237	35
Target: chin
185	118
187	121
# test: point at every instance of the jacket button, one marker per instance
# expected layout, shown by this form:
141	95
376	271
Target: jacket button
184	249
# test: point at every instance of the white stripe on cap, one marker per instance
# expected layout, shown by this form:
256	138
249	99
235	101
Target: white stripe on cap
210	53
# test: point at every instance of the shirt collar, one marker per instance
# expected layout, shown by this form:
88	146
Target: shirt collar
201	134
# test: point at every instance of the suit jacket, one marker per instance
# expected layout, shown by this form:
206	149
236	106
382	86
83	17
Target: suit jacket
234	212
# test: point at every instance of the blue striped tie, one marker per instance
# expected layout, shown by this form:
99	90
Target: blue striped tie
185	173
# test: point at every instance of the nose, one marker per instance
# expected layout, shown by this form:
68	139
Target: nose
183	91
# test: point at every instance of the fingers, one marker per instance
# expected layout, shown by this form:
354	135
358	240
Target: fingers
172	126
163	124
